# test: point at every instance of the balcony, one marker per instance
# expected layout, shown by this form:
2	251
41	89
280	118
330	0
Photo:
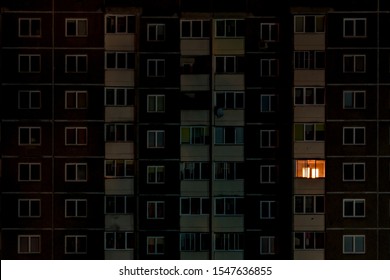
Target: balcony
191	223
228	188
229	153
228	223
123	186
315	149
194	82
195	117
229	82
120	42
116	150
195	46
229	46
231	117
309	222
194	152
119	114
119	222
309	113
309	77
119	78
309	41
119	254
194	188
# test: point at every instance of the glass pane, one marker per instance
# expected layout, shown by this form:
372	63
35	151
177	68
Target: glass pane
359	244
71	27
36	27
348	244
185	206
82	27
220	27
299	132
299	204
196	28
185	28
299	24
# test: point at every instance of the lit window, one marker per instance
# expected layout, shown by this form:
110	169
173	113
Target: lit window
310	168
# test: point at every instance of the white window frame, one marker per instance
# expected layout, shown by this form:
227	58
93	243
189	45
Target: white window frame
237	241
116	17
30	142
271	98
225	170
354	94
268	169
30	164
305	244
76	165
76	130
155	74
126	234
156	240
116	125
202	21
77	94
354	206
158	98
76	205
354	56
77	21
271	207
77	57
155	135
269	249
118	91
30	214
29	240
126	201
237	131
316	129
127	64
225	31
304	23
304	97
272	27
310	170
155	167
191	201
29	96
192	137
354	22
236	202
156	206
304	200
125	162
30	68
354	164
269	134
225	64
354	237
266	67
30	33
354	140
76	237
157	27
235	97
194	165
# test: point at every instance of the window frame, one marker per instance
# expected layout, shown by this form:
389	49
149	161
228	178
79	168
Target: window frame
76	129
30	164
156	98
157	207
271	211
305	96
272	168
30	248
127	235
270	248
76	237
354	237
238	206
238	241
355	57
78	96
156	179
155	135
30	62
225	95
354	94
29	97
354	130
304	23
77	66
226	169
237	130
236	35
116	125
126	163
155	251
354	208
196	165
155	73
30	33
202	28
76	207
269	73
192	135
128	63
30	142
76	165
270	134
316	130
204	208
116	17
126	204
306	235
304	205
309	164
30	210
76	20
354	31
269	100
117	92
270	26
157	26
354	164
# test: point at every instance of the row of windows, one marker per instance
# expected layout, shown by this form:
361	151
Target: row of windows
77	172
155	245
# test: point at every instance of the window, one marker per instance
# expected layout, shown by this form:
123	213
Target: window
155	245
156	67
354	99
155	209
268	139
194	135
232	241
76	172
156	103
29	27
194	206
309	23
354	135
310	168
119	132
29	136
119	168
29	244
119	97
119	240
75	208
119	60
230	100
76	27
267	245
156	32
118	205
75	136
354	244
194	242
195	28
229	170
269	32
309	60
269	67
354	63
155	139
30	172
354	27
268	174
195	170
267	103
29	99
76	99
229	206
267	209
75	244
29	63
353	171
309	240
353	208
230	28
156	175
120	24
309	96
229	64
309	204
29	208
309	132
75	63
229	135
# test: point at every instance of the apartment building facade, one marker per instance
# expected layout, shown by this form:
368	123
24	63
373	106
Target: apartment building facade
194	130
